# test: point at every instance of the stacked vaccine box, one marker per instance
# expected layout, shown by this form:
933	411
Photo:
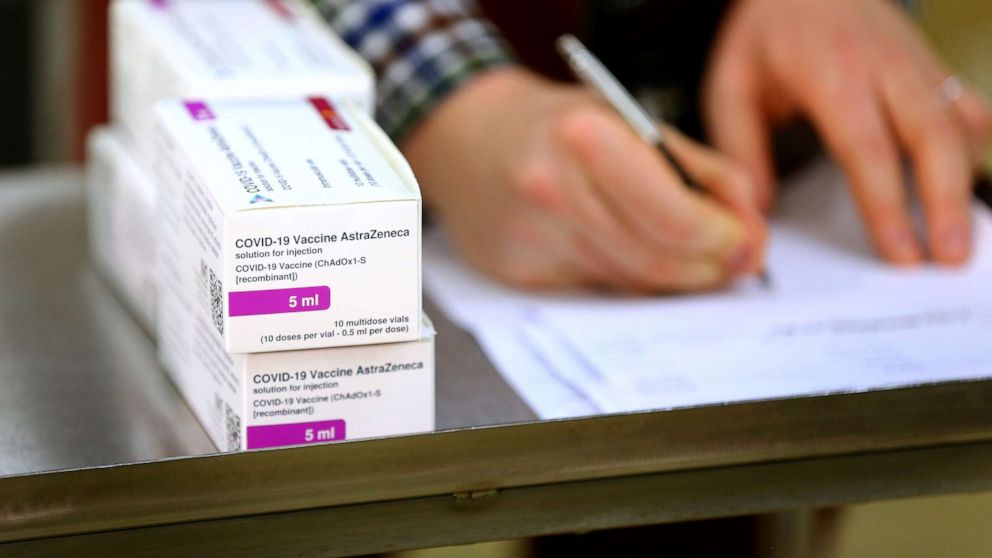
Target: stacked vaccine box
287	299
165	49
290	224
120	203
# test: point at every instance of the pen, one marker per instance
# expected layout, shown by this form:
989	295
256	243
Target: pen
594	74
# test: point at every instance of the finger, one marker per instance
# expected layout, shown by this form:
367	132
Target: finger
968	106
529	253
938	149
647	194
852	125
607	252
630	261
973	111
727	181
649	275
560	187
738	127
589	272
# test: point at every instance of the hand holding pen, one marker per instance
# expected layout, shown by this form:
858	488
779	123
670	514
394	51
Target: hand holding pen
542	185
594	74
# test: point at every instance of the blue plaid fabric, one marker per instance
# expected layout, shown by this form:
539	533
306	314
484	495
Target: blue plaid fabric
421	50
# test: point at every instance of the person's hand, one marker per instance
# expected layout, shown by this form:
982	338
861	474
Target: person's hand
542	185
868	82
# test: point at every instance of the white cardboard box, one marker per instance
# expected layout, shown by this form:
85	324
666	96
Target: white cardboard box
264	400
163	49
120	203
296	222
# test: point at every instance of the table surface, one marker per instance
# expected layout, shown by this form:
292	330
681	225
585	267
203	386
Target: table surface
99	452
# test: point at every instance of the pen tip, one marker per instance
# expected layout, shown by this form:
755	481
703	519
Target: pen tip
765	279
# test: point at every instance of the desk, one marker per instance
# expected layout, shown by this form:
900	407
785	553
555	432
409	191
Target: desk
100	455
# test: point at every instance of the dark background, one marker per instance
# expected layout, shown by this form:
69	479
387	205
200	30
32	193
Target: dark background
15	93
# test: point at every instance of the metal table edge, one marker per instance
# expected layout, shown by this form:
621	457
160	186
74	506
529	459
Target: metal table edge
484	458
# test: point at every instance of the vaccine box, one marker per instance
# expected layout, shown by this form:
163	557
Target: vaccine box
295	222
162	49
120	203
265	400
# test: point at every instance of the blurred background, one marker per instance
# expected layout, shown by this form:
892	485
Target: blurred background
53	59
54	88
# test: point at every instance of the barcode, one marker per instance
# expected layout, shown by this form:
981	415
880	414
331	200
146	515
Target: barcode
233	424
216	301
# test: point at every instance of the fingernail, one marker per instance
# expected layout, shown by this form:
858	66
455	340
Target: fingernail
955	243
735	251
740	259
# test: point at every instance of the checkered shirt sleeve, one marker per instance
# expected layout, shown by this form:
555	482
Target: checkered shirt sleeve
421	50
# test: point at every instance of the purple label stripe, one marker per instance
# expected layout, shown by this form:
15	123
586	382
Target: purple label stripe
277	435
279	301
199	110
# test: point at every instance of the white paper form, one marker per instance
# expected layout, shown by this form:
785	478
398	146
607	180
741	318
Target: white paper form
502	321
656	355
531	363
